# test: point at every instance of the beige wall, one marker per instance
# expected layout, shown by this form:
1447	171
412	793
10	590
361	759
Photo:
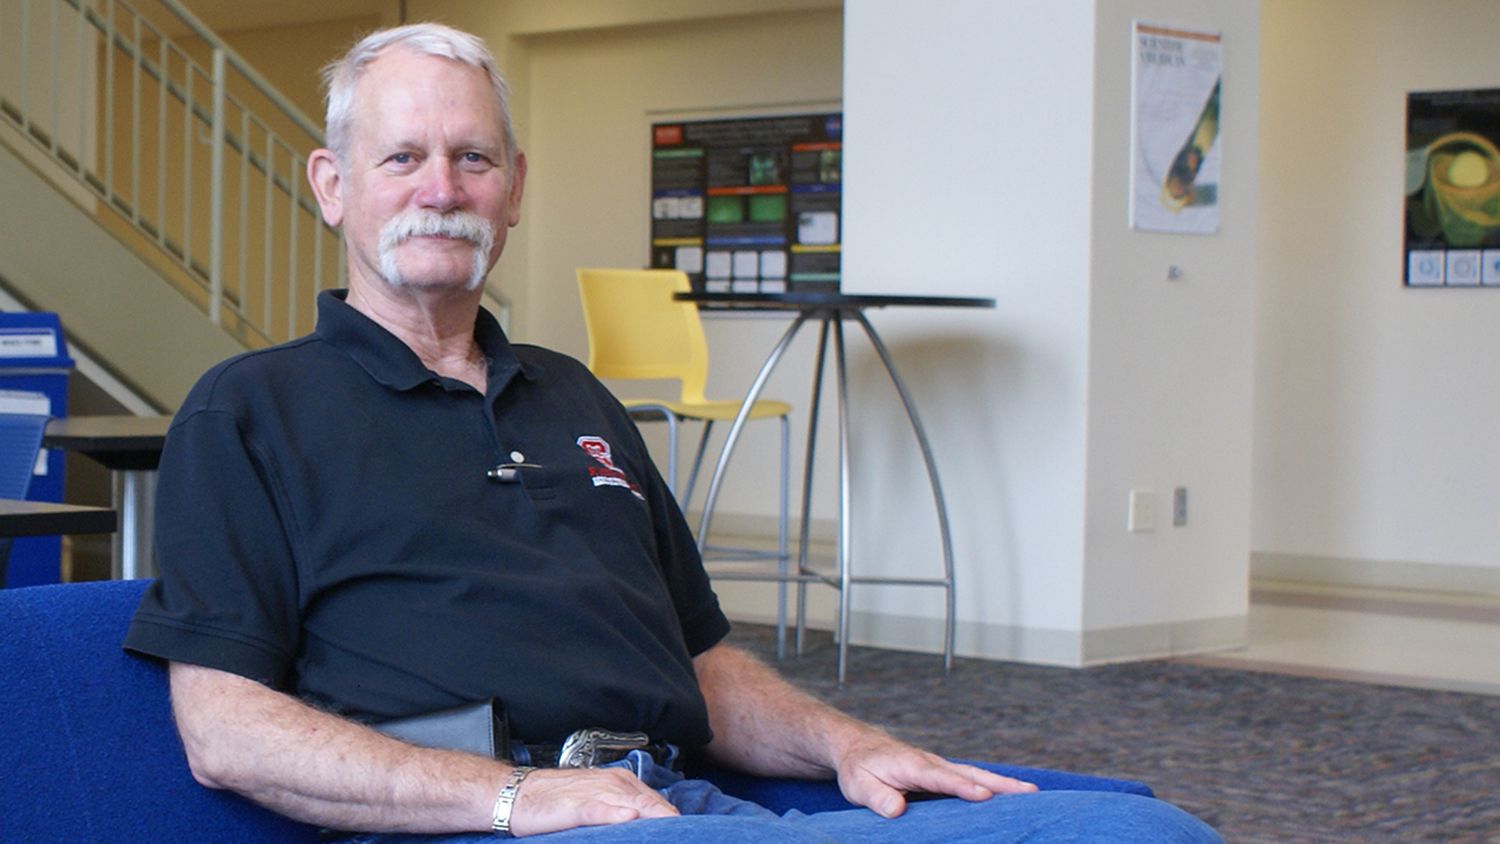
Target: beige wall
290	57
1003	172
1374	452
967	173
1170	365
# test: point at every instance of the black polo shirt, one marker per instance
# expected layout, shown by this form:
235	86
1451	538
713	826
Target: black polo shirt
327	524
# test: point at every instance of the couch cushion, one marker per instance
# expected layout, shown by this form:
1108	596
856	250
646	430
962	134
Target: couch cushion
90	752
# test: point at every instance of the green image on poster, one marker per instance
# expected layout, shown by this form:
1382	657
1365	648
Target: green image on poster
726	209
768	208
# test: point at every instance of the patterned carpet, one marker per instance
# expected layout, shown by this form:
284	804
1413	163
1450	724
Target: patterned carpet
1261	757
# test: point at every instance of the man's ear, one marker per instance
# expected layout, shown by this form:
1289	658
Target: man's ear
323	175
517	187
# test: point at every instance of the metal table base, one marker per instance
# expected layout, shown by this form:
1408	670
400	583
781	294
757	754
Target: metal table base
831	312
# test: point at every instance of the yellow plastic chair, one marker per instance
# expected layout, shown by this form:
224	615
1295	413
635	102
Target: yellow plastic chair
637	331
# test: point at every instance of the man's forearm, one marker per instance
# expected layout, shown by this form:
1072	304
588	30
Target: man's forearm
322	769
764	725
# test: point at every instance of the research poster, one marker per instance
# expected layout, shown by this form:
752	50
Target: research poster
748	205
1452	189
1176	161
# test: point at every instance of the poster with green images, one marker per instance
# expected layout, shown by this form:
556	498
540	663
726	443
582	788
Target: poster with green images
1453	189
748	205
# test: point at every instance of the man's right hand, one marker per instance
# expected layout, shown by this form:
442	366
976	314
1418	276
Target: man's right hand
553	799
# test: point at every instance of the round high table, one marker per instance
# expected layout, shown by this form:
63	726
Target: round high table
830	310
130	447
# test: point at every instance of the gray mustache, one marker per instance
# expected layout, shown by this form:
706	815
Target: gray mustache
462	225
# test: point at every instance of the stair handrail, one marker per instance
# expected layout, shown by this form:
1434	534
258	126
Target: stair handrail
233	59
265	88
213	116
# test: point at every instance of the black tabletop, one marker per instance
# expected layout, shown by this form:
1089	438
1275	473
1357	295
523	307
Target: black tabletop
812	300
43	518
119	442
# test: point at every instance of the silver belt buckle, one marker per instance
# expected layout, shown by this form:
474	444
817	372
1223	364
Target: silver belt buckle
583	747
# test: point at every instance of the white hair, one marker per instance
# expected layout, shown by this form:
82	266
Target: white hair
341	76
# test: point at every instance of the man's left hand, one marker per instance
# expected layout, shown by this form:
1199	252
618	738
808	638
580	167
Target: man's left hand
878	771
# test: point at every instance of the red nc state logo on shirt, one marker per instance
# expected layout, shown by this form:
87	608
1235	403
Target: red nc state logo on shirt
606	473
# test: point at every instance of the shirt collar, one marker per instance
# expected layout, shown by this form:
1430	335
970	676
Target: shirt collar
392	363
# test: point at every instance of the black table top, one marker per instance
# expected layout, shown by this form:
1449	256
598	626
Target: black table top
119	442
812	300
43	518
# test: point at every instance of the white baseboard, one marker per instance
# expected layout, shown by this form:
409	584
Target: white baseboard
1070	648
1374	574
755	603
1166	639
971	638
1002	642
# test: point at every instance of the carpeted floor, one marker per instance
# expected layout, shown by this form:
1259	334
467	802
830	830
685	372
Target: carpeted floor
1262	757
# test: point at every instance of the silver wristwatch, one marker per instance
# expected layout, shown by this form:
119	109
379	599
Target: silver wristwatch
505	801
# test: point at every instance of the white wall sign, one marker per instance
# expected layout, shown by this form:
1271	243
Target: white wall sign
28	343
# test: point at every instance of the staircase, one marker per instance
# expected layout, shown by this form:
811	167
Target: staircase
152	192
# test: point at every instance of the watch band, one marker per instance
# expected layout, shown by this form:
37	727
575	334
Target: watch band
505	801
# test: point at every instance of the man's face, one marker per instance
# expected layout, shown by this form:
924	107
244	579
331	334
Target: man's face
424	195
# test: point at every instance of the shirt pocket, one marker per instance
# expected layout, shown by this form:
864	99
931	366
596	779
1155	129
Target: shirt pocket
542	483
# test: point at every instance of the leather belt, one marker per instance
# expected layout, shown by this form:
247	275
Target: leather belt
483	729
592	747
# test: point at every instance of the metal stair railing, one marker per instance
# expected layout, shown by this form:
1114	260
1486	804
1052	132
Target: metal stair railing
184	148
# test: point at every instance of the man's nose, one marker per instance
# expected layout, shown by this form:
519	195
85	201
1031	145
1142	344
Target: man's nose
440	190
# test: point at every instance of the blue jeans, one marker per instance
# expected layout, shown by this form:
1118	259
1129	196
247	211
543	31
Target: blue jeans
710	815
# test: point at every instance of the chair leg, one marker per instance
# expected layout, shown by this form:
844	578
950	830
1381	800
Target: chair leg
708	426
651	412
672	455
944	532
783	558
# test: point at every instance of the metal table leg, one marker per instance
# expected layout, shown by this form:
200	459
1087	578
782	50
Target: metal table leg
841	376
134	496
807	483
843	579
739	424
932	477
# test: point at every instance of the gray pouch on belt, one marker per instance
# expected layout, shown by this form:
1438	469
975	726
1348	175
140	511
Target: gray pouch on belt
479	728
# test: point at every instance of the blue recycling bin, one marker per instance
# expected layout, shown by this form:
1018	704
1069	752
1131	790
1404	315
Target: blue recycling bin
34	361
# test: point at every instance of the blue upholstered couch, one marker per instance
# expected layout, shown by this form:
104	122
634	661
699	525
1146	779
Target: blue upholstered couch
88	751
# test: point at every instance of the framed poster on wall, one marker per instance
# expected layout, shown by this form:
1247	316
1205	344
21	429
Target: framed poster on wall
1452	236
1176	76
749	205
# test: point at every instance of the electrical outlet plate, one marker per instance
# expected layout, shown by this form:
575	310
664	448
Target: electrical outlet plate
1141	514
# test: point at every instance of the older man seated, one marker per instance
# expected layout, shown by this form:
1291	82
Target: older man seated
404	513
